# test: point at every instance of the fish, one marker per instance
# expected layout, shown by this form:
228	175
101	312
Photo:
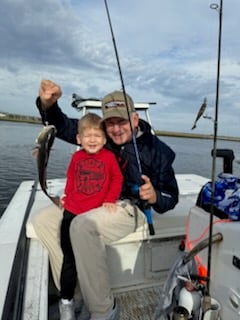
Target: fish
41	152
200	112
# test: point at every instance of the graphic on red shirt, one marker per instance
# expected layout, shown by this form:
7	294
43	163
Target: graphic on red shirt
92	179
90	176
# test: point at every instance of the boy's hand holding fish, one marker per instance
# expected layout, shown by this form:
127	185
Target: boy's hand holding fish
49	93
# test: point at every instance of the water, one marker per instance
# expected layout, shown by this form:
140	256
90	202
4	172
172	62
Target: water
16	162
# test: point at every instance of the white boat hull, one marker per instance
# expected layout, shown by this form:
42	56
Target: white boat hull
136	262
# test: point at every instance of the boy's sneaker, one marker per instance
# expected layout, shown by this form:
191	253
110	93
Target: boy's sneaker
66	311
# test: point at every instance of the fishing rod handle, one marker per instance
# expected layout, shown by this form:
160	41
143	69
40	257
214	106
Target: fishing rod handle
146	209
151	229
148	213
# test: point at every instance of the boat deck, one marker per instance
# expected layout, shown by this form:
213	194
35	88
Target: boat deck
137	304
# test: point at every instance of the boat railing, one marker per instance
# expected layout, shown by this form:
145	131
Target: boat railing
84	105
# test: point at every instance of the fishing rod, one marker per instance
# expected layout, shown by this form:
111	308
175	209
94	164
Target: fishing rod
147	208
218	8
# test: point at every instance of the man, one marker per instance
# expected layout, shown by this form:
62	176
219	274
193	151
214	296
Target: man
92	231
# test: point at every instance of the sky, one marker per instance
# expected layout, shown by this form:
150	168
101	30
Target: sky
168	53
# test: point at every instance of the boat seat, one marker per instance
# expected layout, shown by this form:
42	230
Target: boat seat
171	223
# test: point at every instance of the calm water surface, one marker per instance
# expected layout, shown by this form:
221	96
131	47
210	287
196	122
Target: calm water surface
16	162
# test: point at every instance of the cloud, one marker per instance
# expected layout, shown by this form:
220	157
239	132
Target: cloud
167	51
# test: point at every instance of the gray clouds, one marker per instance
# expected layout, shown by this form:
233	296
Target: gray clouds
167	50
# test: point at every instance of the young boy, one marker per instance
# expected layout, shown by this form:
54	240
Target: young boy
94	179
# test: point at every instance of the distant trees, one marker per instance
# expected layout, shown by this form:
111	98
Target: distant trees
19	118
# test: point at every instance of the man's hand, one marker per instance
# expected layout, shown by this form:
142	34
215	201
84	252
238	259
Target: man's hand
146	191
49	93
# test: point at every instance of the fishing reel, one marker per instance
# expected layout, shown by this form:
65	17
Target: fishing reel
145	206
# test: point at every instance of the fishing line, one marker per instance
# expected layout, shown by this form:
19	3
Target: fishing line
218	8
123	89
145	203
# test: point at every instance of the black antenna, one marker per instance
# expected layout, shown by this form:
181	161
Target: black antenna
215	135
146	205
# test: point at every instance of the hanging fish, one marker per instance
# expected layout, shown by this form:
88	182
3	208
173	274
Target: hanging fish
200	112
42	150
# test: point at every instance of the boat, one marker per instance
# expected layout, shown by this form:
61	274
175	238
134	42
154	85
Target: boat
139	263
188	269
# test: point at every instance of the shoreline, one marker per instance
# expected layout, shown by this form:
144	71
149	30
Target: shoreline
37	120
194	135
19	118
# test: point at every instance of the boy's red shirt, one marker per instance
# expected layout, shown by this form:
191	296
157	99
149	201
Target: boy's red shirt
92	179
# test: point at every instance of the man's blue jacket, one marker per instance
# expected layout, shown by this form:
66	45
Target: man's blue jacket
155	156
